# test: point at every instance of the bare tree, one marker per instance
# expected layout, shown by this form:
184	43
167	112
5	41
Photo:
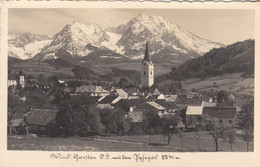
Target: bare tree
169	125
230	137
216	130
246	122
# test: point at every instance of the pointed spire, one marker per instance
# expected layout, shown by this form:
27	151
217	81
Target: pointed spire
147	56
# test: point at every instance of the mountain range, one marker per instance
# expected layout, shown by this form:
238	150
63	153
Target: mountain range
169	43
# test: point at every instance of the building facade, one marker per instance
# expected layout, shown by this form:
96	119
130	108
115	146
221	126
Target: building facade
14	80
147	70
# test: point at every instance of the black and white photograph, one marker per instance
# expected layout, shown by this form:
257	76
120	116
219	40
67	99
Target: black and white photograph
130	79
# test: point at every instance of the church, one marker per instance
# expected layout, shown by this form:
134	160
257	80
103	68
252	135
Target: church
147	70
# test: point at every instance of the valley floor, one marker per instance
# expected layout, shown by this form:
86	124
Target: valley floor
156	143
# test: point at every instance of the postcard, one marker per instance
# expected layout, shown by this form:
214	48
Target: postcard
129	83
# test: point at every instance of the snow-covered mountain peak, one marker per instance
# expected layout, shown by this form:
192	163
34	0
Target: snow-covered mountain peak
162	33
165	39
22	39
153	23
74	38
26	45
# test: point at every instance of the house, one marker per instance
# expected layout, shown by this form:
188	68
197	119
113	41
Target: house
17	126
193	95
135	117
157	106
121	93
16	80
91	90
150	97
149	106
154	91
40	121
12	80
160	97
133	93
208	104
169	106
171	98
193	115
136	113
135	102
33	83
184	102
61	81
16	123
108	101
225	115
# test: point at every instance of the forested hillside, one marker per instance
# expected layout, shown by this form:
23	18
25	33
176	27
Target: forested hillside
235	58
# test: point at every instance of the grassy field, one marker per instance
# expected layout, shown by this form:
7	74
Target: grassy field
156	143
228	82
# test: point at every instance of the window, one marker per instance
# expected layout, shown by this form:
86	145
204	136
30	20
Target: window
144	72
230	121
220	121
151	72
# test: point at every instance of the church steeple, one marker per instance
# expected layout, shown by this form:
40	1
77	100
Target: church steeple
147	69
147	56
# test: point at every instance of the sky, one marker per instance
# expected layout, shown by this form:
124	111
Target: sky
220	25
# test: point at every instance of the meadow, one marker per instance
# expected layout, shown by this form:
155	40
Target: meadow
229	82
155	143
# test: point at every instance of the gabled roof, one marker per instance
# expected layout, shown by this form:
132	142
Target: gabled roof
188	101
40	116
161	96
90	89
150	106
16	122
167	105
145	107
19	114
116	100
112	89
194	110
121	93
107	99
123	104
171	98
154	91
156	105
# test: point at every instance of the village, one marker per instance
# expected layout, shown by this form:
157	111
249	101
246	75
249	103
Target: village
142	110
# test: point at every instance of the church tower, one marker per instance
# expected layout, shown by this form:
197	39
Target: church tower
147	70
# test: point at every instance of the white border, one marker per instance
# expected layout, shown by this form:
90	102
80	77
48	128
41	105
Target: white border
41	158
